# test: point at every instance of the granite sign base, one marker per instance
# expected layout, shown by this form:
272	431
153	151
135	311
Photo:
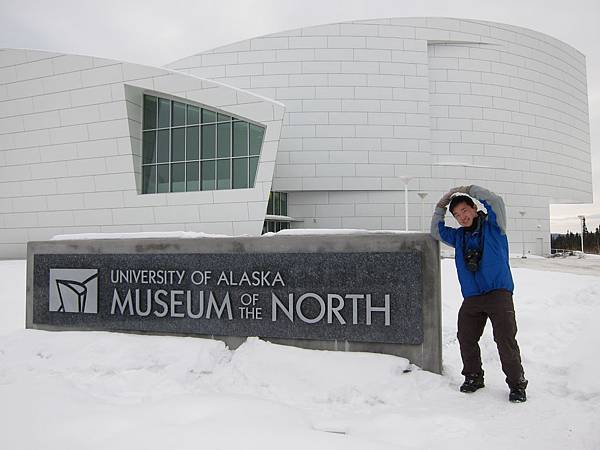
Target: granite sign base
373	292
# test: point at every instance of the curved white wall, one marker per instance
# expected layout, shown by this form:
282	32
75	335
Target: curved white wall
350	109
446	101
70	149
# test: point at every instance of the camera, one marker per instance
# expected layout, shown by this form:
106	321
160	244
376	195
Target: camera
472	258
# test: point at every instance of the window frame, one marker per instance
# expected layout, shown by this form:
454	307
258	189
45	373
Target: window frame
204	112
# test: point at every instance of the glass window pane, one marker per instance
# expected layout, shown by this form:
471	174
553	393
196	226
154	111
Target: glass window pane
224	140
285	225
240	173
270	204
256	138
150	108
283	209
163	146
222	117
193	175
149	179
276	205
149	147
178	177
163	178
271	226
178	144
224	174
208	141
208	116
240	139
208	175
164	113
178	114
253	168
193	115
191	144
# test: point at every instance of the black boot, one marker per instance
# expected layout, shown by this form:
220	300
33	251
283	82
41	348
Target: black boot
517	392
472	383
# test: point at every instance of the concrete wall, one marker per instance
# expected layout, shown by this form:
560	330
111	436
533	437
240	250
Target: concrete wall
446	101
70	150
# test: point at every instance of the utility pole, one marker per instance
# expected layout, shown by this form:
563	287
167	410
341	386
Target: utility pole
582	218
523	232
406	180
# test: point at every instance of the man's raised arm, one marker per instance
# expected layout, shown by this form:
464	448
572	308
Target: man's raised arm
493	200
439	230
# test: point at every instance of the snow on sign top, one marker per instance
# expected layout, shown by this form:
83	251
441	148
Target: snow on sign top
196	235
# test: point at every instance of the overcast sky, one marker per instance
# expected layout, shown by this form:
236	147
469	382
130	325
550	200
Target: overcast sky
157	32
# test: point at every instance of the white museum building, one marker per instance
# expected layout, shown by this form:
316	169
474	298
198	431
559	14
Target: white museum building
321	127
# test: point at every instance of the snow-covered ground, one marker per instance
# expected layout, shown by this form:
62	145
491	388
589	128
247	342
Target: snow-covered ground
72	390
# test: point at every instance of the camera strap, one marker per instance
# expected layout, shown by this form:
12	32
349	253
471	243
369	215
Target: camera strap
467	235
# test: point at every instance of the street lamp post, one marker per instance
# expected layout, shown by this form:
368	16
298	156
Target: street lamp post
422	195
582	218
523	232
406	180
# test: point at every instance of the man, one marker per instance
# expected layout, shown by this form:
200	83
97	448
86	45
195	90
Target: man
481	258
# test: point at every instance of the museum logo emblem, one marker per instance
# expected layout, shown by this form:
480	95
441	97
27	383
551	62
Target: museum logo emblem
73	290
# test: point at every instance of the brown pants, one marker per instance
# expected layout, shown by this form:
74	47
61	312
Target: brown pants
472	317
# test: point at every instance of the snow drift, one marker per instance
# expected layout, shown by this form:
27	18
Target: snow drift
91	390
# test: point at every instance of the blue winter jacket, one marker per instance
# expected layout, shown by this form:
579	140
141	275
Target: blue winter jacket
494	269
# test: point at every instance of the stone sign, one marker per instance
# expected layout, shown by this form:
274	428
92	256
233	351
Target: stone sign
372	292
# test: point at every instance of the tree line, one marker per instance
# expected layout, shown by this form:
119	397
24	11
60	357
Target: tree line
572	241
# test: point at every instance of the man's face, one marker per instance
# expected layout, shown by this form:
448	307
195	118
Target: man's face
464	214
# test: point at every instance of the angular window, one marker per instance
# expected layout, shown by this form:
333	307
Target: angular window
208	116
178	144
283	203
149	179
277	206
178	177
162	184
270	204
149	151
189	148
252	172
193	115
178	119
163	146
164	113
240	139
192	176
273	226
208	175
224	140
224	174
240	173
192	143
209	141
150	108
256	139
